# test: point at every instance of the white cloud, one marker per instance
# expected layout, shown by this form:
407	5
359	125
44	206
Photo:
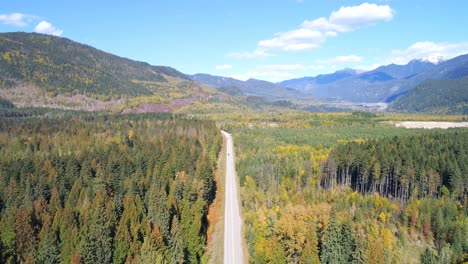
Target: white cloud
312	33
299	39
274	72
16	19
351	17
367	67
272	76
323	24
223	67
427	50
281	67
316	67
250	55
342	59
47	28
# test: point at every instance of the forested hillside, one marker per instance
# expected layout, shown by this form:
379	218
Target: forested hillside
61	66
102	189
342	188
435	96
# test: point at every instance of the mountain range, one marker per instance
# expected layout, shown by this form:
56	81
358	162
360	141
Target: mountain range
255	87
56	69
384	83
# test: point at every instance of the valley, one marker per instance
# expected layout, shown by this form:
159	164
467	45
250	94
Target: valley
232	156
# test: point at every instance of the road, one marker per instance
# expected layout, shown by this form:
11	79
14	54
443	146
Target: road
232	219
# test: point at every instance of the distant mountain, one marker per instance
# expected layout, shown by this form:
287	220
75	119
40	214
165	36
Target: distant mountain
231	90
268	90
383	84
449	96
375	76
61	66
309	83
405	71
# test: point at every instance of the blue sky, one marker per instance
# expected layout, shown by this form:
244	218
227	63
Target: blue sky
271	40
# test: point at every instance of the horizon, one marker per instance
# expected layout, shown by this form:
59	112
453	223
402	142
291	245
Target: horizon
288	39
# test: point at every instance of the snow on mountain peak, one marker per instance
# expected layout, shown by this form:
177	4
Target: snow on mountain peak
436	59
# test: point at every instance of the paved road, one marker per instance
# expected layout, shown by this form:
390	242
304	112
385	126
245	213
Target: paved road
232	220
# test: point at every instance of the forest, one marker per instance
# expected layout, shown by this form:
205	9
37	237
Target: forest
436	97
349	188
99	188
79	187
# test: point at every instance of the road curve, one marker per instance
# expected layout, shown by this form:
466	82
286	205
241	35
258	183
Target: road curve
232	219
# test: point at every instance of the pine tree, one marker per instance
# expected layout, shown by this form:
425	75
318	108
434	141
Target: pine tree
429	257
157	210
48	251
7	237
97	246
25	236
332	249
348	243
153	249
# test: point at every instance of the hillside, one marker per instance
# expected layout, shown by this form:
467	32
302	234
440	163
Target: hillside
59	65
435	96
255	87
46	71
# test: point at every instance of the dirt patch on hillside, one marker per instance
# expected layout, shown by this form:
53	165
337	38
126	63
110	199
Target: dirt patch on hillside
150	108
31	96
161	108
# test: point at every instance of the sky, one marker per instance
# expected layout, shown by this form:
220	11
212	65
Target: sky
271	40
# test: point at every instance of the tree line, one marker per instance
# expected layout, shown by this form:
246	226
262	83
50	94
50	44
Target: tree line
403	167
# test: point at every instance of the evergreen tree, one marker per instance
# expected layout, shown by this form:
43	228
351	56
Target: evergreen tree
26	241
8	237
332	248
429	257
153	249
48	251
97	246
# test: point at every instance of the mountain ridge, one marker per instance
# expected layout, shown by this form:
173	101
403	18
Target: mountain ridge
268	90
449	96
60	65
383	83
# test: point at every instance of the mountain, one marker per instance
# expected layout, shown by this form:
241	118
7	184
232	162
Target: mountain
375	76
449	96
383	84
268	90
405	71
47	71
61	66
309	83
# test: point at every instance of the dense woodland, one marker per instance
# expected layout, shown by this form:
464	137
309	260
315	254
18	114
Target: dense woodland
435	96
433	165
106	189
338	189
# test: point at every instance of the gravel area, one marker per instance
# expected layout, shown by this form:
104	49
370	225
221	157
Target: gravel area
430	125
